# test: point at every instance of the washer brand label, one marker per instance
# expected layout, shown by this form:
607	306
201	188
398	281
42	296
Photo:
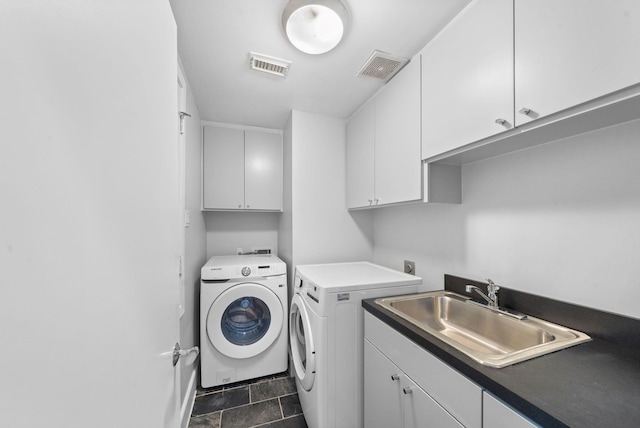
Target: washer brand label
343	296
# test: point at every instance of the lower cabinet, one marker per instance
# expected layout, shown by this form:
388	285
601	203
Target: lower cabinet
496	414
392	399
406	386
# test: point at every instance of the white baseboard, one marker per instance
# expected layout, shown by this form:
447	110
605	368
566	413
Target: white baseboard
189	399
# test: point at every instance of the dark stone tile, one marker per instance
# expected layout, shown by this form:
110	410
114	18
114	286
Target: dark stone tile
272	388
221	400
212	420
290	405
204	391
293	422
251	415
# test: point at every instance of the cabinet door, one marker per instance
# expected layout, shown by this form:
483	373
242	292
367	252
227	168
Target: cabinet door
360	162
420	411
571	51
467	78
496	414
383	406
449	388
263	171
223	168
398	164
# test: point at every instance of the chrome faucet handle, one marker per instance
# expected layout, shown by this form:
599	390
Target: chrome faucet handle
492	290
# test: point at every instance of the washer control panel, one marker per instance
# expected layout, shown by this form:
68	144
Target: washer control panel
220	268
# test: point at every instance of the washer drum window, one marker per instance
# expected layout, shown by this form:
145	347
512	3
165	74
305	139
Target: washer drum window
245	320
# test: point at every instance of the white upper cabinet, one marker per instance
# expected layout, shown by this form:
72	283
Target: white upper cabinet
397	138
223	172
383	144
572	51
263	171
467	78
242	170
360	161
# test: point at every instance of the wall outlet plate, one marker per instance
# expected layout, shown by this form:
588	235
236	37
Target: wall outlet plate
410	267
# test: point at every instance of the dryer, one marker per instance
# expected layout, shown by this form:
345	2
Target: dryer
326	336
243	318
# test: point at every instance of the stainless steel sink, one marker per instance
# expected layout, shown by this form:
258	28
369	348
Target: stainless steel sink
491	338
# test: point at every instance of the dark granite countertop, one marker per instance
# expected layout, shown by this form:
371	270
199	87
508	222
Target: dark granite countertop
594	384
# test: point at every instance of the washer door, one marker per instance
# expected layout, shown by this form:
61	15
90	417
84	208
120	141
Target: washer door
301	338
244	320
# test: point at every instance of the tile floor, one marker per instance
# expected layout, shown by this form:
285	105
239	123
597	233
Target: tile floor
267	402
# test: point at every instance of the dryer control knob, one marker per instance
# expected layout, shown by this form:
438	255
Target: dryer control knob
246	271
298	282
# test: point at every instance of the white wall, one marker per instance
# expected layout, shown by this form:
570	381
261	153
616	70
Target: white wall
195	240
285	223
323	231
89	219
228	231
559	220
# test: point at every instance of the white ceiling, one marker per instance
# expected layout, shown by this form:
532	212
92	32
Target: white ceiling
216	36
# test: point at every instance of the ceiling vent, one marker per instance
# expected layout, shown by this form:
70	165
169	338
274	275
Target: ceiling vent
382	66
269	64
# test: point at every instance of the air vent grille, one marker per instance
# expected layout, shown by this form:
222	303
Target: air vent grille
268	64
382	66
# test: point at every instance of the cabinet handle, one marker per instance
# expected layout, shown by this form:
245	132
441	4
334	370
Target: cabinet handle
407	390
376	201
370	201
524	111
503	122
395	377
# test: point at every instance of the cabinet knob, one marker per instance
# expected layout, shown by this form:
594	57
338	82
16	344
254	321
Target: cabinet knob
407	390
395	377
524	111
240	206
503	122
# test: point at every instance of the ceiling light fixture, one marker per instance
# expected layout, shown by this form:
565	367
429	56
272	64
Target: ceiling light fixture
314	26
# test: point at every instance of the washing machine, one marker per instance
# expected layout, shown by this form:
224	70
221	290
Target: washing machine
243	318
326	335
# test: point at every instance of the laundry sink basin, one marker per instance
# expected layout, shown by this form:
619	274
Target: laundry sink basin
490	337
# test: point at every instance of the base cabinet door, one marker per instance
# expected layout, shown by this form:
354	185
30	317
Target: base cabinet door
421	411
392	399
496	414
383	406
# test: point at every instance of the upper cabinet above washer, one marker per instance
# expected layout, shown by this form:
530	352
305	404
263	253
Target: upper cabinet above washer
242	169
572	51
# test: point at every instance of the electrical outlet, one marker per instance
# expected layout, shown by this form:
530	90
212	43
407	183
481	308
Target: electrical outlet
410	267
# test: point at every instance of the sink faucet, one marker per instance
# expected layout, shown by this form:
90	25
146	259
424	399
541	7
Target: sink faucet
492	289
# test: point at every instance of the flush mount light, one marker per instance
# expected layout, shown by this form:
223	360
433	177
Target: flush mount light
314	26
